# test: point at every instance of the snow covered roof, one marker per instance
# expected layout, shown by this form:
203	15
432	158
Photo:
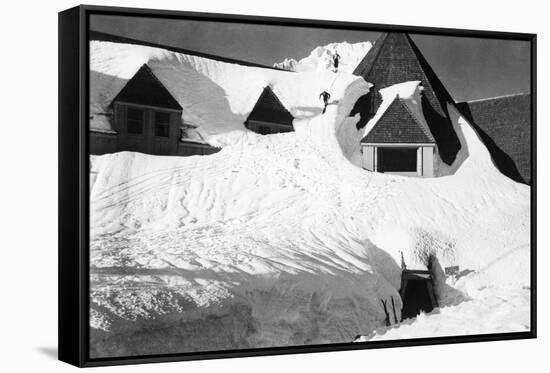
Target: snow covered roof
216	97
398	125
102	36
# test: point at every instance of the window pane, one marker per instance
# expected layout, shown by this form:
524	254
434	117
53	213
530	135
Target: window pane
135	121
162	130
396	159
162	124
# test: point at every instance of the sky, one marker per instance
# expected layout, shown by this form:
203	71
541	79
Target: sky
470	68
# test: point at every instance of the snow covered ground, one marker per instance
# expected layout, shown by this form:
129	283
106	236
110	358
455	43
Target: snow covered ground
282	240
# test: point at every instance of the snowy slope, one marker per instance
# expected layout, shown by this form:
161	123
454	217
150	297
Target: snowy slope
281	240
320	59
494	299
216	96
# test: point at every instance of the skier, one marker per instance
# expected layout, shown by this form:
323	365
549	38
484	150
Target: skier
335	61
325	96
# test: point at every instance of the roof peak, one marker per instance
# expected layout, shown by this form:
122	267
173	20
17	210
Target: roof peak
269	108
144	87
394	59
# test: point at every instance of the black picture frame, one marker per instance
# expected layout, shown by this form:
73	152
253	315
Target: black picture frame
74	185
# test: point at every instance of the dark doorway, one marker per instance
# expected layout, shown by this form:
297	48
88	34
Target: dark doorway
417	293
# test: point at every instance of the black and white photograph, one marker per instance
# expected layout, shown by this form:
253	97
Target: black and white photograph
277	186
262	186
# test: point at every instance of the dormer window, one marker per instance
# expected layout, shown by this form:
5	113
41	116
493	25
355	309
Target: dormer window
147	116
399	143
269	115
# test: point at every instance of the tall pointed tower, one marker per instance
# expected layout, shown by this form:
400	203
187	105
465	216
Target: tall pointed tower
394	59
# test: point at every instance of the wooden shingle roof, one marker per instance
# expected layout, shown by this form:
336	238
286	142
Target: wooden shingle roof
394	59
144	88
269	108
504	125
399	125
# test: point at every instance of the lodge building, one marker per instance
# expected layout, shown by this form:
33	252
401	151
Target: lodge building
146	118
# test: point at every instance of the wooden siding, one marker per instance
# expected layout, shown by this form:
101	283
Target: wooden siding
255	125
106	143
147	142
188	148
103	143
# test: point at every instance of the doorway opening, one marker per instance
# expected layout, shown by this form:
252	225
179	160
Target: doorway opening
417	293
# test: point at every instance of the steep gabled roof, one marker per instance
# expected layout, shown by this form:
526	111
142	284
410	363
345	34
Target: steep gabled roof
395	58
144	88
504	125
269	108
399	125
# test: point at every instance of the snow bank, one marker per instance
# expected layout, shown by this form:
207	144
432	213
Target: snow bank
494	299
281	240
321	58
216	97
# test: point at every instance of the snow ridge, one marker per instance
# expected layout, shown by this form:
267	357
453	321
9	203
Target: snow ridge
320	59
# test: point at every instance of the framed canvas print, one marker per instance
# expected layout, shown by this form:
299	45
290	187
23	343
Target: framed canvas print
238	186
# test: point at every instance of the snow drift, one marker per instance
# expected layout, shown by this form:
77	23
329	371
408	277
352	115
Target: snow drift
278	240
216	97
321	58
